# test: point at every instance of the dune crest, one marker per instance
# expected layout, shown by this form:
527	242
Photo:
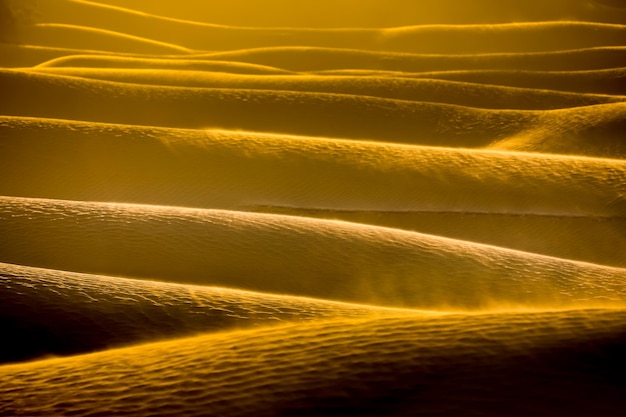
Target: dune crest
387	366
312	208
49	312
295	255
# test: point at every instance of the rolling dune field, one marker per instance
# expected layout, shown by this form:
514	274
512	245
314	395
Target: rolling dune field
366	208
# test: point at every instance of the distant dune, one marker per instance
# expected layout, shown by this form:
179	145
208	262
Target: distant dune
352	13
281	208
415	89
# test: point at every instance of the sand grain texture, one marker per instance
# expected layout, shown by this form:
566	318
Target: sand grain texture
469	365
312	208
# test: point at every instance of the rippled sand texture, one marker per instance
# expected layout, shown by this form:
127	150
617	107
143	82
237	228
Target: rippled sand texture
313	208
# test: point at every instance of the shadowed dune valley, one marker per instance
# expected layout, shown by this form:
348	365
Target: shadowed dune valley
313	208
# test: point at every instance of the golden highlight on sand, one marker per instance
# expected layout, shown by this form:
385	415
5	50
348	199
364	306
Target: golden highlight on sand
504	364
312	208
295	255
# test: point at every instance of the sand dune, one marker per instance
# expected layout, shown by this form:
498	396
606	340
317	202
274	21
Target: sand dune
317	59
295	58
446	180
48	312
512	364
608	81
80	37
201	169
469	194
294	255
17	55
303	113
396	12
118	61
590	239
415	89
317	114
525	37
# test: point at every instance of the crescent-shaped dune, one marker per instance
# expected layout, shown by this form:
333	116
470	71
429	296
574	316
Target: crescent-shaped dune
512	364
312	208
75	313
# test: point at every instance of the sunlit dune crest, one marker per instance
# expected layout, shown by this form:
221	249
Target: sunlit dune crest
106	311
415	89
607	81
368	12
312	208
102	61
505	364
295	255
452	39
294	112
300	58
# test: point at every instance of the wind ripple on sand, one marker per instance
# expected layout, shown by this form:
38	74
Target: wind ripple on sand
47	312
295	255
512	364
474	170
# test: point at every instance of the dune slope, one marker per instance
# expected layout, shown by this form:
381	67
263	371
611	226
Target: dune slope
47	312
294	255
491	365
312	208
415	89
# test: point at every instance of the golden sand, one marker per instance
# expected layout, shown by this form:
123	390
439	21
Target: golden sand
282	208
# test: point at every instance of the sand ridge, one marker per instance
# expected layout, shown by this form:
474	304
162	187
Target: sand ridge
294	112
398	13
189	166
415	89
427	189
451	39
76	313
295	255
384	366
312	208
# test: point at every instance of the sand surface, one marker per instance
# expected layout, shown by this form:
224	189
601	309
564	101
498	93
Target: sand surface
337	208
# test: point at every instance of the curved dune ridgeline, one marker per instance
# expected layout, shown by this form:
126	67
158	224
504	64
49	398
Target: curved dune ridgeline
398	12
294	255
75	313
415	89
451	39
453	365
299	58
312	208
304	113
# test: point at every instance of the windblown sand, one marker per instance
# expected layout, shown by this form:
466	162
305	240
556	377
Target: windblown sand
361	208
